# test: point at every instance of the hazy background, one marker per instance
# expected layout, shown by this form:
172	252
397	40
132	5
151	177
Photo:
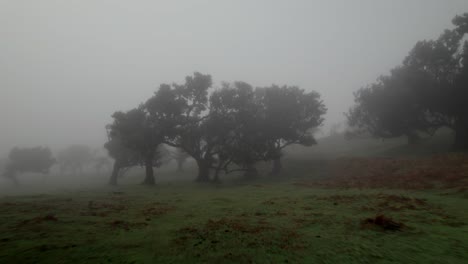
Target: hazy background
66	66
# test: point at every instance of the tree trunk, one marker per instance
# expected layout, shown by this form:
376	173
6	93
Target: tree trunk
115	174
216	176
413	138
149	176
461	135
203	171
277	166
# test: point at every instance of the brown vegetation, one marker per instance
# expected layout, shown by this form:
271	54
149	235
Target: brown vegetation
442	171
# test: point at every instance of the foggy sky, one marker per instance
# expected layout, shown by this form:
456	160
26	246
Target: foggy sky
66	66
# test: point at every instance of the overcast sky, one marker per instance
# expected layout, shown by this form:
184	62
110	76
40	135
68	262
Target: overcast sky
67	65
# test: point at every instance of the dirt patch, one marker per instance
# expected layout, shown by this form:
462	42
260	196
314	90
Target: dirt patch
385	203
280	201
34	222
306	184
157	209
103	209
382	222
40	219
125	225
46	247
336	199
219	234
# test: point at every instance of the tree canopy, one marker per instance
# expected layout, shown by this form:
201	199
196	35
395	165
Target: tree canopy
22	160
226	129
425	93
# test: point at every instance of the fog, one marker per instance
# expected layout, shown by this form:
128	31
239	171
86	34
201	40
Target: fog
233	131
66	66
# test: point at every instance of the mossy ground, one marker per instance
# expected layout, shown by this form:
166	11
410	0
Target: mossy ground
286	220
281	222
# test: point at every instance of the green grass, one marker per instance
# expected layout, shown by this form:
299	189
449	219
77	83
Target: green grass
282	221
249	223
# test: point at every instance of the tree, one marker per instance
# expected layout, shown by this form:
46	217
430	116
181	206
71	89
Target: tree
392	106
427	92
232	126
234	123
181	112
21	160
259	123
335	129
101	164
74	158
123	157
289	116
137	132
444	61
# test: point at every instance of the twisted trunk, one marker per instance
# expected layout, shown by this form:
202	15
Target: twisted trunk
216	175
115	173
149	173
277	166
203	171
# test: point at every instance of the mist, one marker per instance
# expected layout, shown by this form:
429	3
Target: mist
208	131
66	66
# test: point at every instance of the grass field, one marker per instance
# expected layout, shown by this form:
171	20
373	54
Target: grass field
294	219
268	223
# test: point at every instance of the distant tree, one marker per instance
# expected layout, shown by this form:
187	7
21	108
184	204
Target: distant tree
21	160
137	132
335	129
74	158
101	164
290	116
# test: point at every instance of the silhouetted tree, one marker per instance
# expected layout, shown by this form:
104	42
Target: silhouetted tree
74	158
392	107
137	132
289	115
101	164
123	157
427	92
259	123
180	111
235	123
21	160
444	61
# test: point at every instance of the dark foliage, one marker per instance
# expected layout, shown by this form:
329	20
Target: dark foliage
22	160
427	92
